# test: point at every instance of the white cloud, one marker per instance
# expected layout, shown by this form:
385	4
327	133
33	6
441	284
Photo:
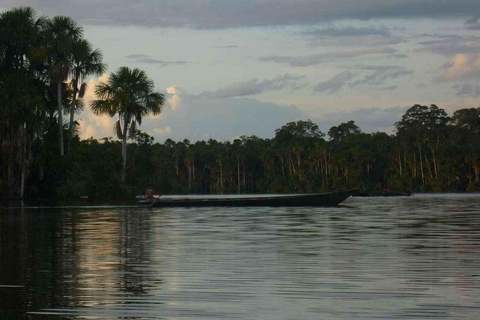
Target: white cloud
174	101
462	67
163	131
203	117
92	125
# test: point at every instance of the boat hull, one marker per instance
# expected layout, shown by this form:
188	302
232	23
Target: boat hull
301	200
381	194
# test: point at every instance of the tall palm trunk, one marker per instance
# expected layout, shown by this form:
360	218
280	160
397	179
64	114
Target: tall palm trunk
124	149
414	169
435	163
221	178
23	160
400	164
429	167
72	114
238	175
421	163
60	118
189	169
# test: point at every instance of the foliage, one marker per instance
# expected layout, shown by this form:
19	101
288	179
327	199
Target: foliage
429	152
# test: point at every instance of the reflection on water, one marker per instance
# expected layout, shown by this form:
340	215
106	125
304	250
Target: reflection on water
385	258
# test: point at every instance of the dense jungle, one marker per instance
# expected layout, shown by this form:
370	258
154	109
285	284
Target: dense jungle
44	63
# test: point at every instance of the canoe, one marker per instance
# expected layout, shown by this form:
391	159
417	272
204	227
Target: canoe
296	200
381	194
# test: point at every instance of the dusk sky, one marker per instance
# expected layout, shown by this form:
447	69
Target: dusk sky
246	67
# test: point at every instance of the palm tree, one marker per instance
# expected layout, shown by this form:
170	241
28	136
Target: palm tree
62	33
85	62
128	93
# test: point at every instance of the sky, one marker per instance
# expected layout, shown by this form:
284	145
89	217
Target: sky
230	68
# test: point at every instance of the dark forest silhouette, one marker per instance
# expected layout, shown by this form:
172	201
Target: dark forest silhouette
43	157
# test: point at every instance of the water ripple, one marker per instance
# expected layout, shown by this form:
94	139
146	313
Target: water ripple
372	258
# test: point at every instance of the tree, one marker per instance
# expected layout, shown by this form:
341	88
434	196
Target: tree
62	33
424	127
467	121
128	93
298	129
23	104
294	140
337	133
84	62
467	129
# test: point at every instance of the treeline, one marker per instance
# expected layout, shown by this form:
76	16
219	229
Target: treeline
44	62
430	152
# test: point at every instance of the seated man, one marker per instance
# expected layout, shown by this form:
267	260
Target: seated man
149	193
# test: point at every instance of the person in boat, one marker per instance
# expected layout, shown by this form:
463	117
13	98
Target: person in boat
149	193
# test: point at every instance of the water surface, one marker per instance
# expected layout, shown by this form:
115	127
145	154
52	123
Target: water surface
370	258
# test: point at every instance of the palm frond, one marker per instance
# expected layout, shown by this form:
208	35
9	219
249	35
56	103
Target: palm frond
83	88
132	131
79	106
117	129
100	107
155	102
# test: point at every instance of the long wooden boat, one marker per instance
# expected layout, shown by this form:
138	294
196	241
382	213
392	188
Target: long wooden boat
297	200
381	194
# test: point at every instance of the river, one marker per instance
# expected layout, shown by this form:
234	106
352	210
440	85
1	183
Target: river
369	258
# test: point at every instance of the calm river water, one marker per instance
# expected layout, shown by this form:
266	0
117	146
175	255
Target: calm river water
369	258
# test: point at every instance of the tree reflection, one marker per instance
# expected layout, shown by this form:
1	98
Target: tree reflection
73	260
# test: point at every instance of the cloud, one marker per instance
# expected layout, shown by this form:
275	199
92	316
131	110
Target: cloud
227	47
203	117
142	58
163	131
316	59
333	85
473	23
351	36
174	101
377	76
381	75
450	45
254	86
388	88
347	31
92	125
462	67
467	90
241	13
